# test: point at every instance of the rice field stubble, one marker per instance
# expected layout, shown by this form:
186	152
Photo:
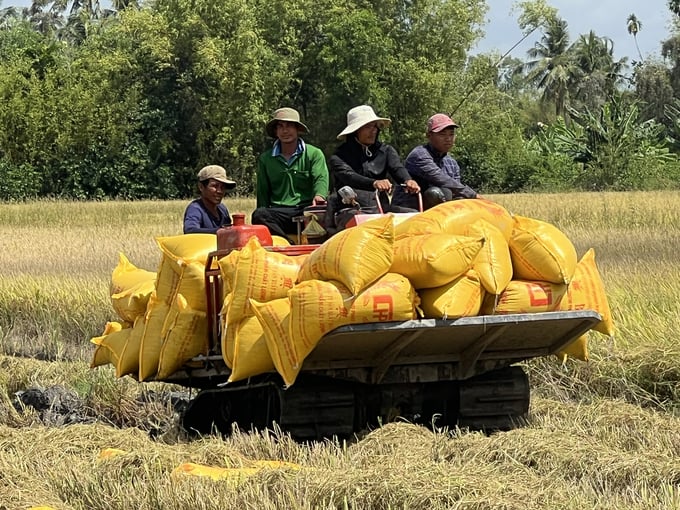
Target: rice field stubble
602	434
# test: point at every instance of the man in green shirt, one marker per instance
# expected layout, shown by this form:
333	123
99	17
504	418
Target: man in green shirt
291	176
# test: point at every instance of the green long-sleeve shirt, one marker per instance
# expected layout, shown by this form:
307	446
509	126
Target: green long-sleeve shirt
291	183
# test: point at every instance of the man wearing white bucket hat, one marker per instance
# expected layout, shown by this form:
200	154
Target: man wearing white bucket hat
366	164
290	176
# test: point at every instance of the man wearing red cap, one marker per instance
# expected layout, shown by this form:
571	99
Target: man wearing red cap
437	173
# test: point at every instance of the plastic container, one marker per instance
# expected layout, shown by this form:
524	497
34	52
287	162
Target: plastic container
237	234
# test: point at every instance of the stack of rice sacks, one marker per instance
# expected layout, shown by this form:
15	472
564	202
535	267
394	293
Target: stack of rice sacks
461	258
162	315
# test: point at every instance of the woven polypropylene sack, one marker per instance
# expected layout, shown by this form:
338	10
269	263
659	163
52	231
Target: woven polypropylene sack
493	263
521	296
274	319
186	337
152	338
460	298
586	292
260	275
433	260
356	257
541	252
110	344
126	275
128	362
452	218
251	354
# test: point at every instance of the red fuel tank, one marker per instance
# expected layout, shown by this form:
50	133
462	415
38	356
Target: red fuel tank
237	234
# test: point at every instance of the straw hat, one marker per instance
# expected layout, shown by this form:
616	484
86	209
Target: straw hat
285	115
360	116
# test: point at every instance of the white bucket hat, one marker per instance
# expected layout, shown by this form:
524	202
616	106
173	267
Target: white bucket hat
360	116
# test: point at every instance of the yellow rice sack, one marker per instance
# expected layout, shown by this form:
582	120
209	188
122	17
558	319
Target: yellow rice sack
492	264
317	307
356	257
578	349
541	252
128	362
460	298
152	338
183	278
586	292
187	337
227	265
131	303
522	296
110	344
182	268
251	355
452	217
126	275
188	248
280	241
274	318
261	275
433	260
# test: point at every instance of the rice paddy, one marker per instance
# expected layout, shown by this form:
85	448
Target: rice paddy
602	434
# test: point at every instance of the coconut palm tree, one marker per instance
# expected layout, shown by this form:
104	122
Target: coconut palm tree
596	71
550	66
634	26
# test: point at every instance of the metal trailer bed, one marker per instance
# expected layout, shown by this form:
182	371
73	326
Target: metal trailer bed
460	371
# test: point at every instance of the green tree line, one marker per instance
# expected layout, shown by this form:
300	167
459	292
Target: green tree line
129	100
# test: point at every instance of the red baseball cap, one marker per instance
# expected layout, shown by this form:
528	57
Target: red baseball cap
440	121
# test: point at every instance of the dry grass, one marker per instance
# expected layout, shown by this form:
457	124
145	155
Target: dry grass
603	434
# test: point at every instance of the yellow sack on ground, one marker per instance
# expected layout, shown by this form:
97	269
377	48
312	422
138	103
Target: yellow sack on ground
522	296
317	307
110	344
126	275
460	298
261	275
492	264
187	337
433	260
586	292
152	339
578	349
251	355
452	217
274	318
128	362
356	257
131	303
541	252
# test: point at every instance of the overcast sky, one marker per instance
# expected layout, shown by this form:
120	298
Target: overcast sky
605	17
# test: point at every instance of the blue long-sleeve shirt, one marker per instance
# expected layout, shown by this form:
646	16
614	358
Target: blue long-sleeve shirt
429	168
198	220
